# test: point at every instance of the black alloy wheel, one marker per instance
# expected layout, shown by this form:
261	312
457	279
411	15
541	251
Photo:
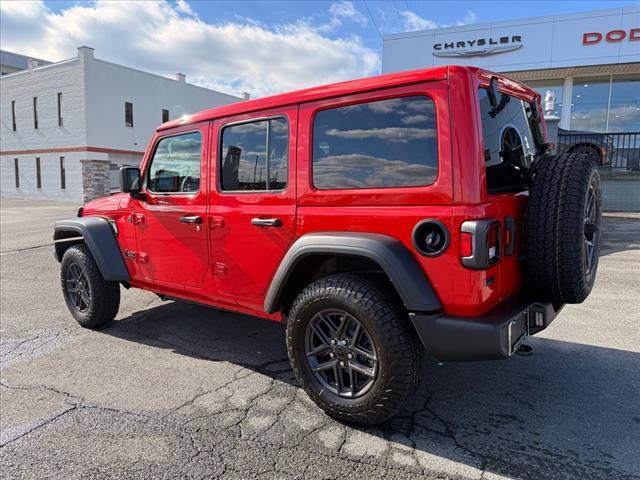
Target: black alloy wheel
78	288
591	230
352	347
91	300
341	353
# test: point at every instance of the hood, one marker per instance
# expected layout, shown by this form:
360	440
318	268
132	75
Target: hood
105	204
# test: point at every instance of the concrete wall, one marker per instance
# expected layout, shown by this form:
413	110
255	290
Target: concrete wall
620	190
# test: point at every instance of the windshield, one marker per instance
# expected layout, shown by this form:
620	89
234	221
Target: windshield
509	143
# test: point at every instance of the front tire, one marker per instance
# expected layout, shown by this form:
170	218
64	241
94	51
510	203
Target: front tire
352	349
92	300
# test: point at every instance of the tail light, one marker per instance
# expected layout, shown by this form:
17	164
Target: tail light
485	238
466	247
509	236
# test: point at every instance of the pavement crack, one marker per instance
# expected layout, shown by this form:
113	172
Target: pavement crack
39	426
26	249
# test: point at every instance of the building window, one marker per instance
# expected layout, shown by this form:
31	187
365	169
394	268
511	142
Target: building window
589	104
551	93
128	114
175	167
13	115
165	115
255	155
16	171
59	109
35	112
38	174
624	105
63	175
380	144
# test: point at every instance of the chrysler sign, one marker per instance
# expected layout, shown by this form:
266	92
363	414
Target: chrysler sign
479	47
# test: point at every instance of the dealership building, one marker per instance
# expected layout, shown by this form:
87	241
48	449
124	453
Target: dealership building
67	127
585	65
590	61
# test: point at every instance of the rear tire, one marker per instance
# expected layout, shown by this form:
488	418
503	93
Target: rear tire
390	354
92	300
563	222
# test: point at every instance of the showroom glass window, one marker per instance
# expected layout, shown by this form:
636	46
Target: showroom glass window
624	106
381	144
554	86
175	167
589	104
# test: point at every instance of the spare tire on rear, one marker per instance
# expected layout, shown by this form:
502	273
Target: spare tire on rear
563	227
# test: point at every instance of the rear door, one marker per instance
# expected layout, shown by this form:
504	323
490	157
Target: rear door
254	198
171	219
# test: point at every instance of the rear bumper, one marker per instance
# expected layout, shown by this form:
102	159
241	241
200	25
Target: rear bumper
492	336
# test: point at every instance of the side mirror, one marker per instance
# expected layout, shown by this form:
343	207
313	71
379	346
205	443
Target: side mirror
130	179
493	93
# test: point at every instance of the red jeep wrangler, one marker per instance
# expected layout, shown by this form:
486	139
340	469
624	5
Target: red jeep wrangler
378	218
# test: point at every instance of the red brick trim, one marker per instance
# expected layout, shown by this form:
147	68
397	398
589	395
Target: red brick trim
70	149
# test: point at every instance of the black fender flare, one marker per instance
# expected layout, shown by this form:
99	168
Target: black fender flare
100	238
388	252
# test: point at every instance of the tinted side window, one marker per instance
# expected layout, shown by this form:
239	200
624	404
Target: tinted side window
387	143
175	166
255	155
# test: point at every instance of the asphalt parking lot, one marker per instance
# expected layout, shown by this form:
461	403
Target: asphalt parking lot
178	391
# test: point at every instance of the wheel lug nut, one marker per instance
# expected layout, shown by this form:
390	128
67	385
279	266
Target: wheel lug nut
331	355
342	364
350	356
333	341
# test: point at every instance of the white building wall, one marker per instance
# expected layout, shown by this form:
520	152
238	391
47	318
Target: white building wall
44	83
545	43
50	174
93	96
109	86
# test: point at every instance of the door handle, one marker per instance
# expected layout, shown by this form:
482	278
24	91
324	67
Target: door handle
193	219
266	222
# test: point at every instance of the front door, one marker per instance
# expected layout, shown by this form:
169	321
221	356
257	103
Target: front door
254	210
171	219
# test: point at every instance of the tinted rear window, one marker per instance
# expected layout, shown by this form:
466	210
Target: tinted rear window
386	143
509	147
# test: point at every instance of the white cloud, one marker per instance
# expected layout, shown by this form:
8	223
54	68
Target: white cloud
391	134
165	38
183	6
469	18
413	21
348	10
361	171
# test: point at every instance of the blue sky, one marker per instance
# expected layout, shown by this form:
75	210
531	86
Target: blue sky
261	47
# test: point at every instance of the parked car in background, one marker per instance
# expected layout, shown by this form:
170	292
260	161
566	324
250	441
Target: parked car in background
599	147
